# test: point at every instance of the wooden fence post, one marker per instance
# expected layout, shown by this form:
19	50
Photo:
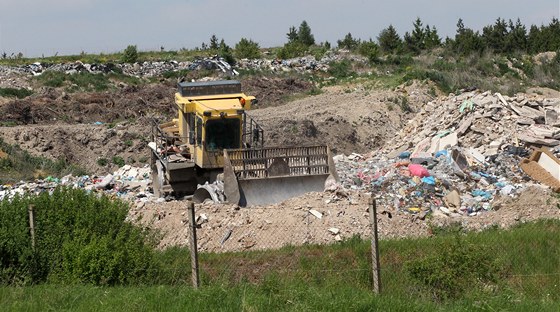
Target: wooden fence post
192	245
374	245
31	210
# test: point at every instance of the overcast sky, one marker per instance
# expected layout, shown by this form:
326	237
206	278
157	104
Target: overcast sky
45	27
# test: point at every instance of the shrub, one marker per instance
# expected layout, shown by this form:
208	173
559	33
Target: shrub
13	92
457	267
118	160
102	162
291	50
80	237
130	54
370	50
247	48
341	69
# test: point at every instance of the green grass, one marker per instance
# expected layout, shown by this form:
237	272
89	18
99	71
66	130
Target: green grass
84	81
16	93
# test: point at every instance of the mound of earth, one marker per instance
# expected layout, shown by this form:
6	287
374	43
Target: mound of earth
347	119
224	227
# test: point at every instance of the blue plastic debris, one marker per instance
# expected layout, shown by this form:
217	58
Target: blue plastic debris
429	180
404	155
481	193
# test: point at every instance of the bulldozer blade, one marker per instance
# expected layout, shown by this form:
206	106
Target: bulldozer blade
271	175
277	189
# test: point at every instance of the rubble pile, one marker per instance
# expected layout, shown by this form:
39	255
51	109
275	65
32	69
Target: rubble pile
158	68
299	64
459	155
128	183
144	69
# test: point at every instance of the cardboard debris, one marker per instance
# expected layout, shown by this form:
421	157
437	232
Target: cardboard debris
544	167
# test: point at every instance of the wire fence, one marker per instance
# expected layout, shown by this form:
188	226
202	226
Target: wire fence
442	265
328	247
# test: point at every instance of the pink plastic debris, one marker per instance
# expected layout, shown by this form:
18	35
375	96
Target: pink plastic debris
418	170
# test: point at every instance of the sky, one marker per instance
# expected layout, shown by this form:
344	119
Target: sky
65	27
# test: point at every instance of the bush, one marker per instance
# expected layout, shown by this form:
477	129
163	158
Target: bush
102	162
370	50
130	54
456	268
342	69
13	92
80	237
118	160
291	50
247	48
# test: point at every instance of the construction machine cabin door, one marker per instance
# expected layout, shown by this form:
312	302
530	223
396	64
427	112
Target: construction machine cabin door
218	133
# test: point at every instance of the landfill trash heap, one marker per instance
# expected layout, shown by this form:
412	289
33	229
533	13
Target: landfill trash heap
150	69
460	154
128	183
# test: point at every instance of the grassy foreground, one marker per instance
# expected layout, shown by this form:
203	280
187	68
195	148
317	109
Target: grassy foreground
521	272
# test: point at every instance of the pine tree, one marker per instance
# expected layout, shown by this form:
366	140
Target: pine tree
389	40
348	43
466	40
214	43
414	41
292	34
432	39
304	34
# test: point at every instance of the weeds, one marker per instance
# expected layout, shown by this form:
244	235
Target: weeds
13	92
18	164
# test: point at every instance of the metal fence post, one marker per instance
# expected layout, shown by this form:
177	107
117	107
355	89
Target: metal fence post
192	245
31	210
374	245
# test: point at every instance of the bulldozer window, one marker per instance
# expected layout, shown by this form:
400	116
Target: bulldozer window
198	130
223	133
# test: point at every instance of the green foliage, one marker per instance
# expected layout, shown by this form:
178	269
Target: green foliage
291	50
389	40
298	42
370	50
456	268
304	34
118	160
102	162
340	69
414	43
349	43
52	79
82	81
13	92
438	77
225	52
247	48
80	237
213	43
130	54
466	40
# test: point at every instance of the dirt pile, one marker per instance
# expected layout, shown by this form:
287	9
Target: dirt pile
348	119
229	228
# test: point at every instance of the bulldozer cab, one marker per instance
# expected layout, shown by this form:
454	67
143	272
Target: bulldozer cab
212	118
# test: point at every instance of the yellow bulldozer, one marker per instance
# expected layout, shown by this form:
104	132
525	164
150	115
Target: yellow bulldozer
214	150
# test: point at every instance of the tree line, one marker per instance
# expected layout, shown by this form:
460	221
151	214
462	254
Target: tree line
502	37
